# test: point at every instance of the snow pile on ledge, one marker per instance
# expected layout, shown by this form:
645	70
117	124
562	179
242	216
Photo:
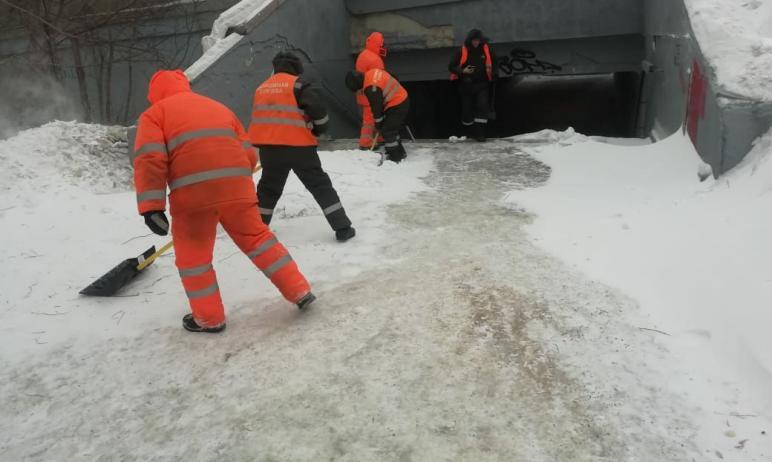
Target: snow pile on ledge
696	256
66	154
217	44
736	38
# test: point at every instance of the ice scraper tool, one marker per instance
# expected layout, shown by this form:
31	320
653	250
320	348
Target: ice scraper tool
124	272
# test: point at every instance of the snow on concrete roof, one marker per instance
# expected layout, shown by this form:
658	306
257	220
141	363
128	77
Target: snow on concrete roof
736	38
219	41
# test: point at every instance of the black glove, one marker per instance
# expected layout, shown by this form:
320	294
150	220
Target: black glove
378	125
157	222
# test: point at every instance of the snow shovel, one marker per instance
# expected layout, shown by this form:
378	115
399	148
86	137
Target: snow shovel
410	133
115	279
372	148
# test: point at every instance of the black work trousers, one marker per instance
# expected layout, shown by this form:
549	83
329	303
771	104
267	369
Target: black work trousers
392	124
277	162
475	102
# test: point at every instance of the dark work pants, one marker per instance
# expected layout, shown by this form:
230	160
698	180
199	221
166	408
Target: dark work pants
392	124
475	107
277	162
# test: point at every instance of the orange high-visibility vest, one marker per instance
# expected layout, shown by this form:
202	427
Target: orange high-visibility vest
465	57
393	93
193	145
276	118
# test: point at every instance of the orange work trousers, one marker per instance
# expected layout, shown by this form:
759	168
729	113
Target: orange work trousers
368	129
194	236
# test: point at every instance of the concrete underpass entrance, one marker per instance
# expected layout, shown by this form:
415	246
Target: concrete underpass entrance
603	105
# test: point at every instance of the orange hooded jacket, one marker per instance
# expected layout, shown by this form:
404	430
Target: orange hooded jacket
370	58
192	144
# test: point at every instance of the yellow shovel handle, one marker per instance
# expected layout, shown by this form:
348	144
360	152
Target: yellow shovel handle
153	257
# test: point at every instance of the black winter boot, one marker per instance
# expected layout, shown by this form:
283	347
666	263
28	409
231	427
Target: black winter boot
306	300
342	235
395	154
479	132
191	325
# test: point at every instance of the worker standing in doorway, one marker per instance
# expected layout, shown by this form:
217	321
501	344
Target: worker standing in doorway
197	148
370	58
474	67
287	116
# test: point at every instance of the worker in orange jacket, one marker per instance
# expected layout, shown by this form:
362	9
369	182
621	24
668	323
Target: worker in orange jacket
197	148
474	66
370	58
390	105
287	116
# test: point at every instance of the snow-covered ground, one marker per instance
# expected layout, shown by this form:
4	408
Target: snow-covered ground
69	215
443	331
736	37
697	256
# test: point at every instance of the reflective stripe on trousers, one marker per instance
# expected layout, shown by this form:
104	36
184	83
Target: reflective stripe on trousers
332	208
270	257
213	289
203	292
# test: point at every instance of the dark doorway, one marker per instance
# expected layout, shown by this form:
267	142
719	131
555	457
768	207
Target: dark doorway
604	105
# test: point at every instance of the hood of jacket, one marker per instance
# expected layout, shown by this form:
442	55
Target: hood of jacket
475	34
374	43
167	83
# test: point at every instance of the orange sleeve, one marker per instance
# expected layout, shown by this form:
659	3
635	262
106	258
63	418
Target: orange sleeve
251	151
151	164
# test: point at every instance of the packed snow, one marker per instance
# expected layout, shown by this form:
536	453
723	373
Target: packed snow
736	38
695	255
443	331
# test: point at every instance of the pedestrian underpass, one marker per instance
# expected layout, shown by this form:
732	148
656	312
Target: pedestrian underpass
601	105
556	59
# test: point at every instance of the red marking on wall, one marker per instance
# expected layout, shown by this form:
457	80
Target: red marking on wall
697	93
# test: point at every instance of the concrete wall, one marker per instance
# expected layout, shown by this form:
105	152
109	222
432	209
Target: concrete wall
318	31
681	90
515	20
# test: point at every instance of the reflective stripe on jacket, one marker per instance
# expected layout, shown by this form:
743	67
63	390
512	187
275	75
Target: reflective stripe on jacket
393	93
465	57
193	145
276	118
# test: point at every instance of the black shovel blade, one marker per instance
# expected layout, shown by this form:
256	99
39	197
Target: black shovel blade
115	279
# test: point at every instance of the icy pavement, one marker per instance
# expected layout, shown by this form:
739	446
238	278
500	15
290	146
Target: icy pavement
464	342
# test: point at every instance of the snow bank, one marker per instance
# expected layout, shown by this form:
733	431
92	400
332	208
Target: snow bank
695	255
736	38
217	43
62	154
68	214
